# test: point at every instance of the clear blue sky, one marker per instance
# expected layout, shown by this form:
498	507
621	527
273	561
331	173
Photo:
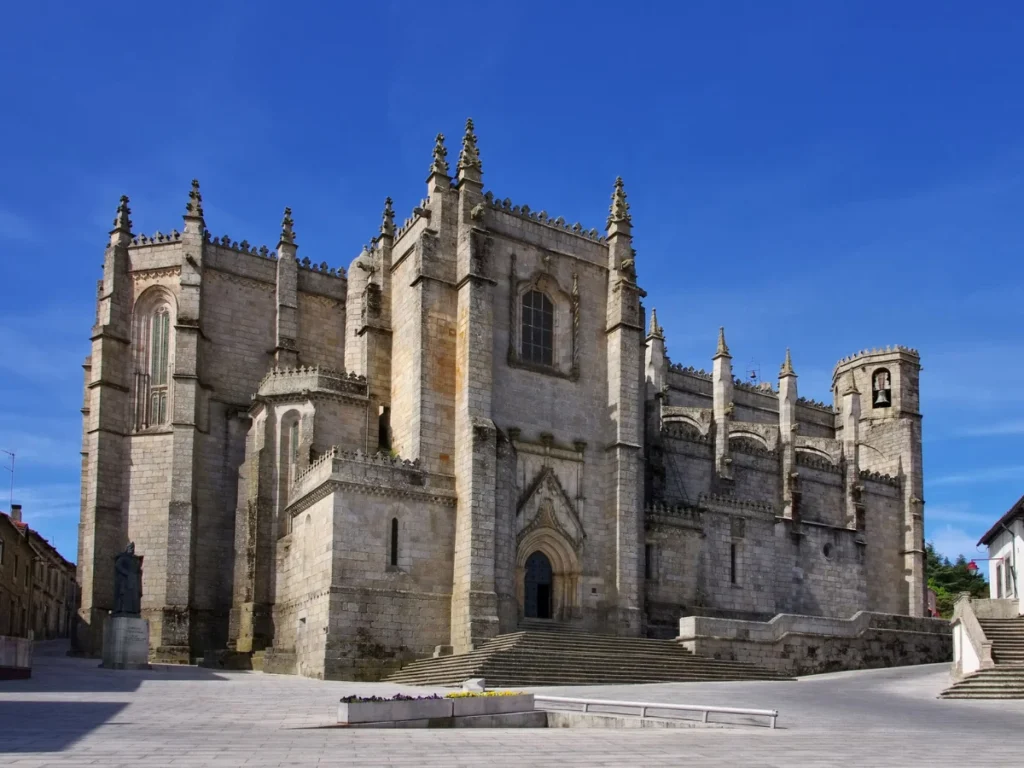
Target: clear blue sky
824	176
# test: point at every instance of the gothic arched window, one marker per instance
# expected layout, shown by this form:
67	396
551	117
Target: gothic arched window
881	389
152	365
538	327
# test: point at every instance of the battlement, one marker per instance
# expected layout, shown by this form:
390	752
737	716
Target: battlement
864	353
524	212
379	473
287	381
690	371
713	499
418	212
878	477
815	404
674	514
813	461
158	238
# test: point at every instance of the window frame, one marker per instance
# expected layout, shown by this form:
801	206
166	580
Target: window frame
153	356
531	350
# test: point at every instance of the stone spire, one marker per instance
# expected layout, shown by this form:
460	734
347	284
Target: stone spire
439	164
619	218
122	222
723	349
194	206
656	330
470	166
787	366
387	224
287	233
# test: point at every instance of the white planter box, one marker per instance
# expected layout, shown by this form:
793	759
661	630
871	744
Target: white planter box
380	711
493	705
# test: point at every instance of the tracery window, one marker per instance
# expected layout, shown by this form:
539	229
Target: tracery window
152	366
538	326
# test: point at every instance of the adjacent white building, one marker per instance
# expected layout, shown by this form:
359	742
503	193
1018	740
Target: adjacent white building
1005	542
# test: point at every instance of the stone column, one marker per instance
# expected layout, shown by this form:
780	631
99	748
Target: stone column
103	529
624	339
474	616
787	438
286	351
851	455
722	384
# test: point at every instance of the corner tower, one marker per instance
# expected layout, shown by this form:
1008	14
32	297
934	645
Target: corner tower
889	442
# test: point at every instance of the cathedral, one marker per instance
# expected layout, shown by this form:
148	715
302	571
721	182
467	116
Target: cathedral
475	424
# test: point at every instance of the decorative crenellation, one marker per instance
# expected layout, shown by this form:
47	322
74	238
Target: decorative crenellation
878	351
764	388
379	458
878	477
524	212
706	499
814	461
420	211
159	238
743	444
690	371
321	268
674	514
683	431
310	377
245	246
815	404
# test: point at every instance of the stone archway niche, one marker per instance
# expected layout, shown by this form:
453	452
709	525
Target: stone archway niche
565	572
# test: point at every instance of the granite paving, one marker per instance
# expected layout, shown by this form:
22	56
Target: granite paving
73	713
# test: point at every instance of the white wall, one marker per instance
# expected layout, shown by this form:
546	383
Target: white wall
1010	548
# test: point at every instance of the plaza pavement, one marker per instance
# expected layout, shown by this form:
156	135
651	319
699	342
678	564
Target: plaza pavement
73	713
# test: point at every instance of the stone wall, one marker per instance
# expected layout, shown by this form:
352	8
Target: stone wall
806	645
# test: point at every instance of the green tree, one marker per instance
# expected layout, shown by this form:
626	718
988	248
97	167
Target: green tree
948	580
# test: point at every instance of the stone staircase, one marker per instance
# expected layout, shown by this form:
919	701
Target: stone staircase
545	653
1007	636
1006	679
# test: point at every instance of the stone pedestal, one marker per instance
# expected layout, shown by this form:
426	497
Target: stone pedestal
125	643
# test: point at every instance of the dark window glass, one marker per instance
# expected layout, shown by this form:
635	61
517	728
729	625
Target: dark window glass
538	328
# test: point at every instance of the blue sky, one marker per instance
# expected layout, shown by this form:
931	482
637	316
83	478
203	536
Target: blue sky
824	176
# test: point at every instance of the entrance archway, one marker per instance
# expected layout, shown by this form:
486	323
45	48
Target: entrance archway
537	592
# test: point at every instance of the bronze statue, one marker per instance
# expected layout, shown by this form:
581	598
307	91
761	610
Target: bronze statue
128	583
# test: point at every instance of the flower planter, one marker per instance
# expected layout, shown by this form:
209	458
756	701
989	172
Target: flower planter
381	711
492	705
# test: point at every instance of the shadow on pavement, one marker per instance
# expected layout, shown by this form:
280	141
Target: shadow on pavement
50	726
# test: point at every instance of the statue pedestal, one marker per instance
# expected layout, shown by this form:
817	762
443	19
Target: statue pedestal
125	643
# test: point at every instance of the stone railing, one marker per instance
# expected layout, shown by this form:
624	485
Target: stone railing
288	381
971	649
524	212
799	645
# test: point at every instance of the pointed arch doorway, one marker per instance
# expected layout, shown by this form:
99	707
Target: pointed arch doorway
537	587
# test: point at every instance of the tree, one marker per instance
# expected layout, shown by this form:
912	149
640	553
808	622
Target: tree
948	580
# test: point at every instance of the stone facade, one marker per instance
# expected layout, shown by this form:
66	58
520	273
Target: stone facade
37	585
348	469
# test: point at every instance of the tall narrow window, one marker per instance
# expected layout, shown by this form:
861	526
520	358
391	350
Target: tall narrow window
999	580
732	563
538	327
649	562
394	542
158	366
293	443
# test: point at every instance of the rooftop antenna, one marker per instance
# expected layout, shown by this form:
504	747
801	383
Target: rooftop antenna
11	470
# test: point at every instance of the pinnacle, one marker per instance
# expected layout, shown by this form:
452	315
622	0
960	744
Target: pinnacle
194	206
287	233
122	222
619	210
440	161
655	328
787	366
387	224
723	349
469	159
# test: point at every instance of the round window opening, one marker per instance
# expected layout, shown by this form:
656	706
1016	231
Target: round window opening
827	551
